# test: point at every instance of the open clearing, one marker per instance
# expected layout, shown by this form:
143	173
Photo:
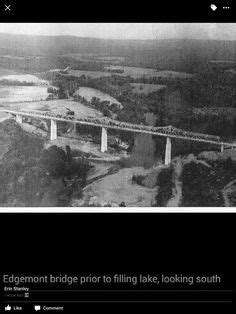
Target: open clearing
57	106
96	58
21	78
88	93
11	94
90	74
137	72
173	75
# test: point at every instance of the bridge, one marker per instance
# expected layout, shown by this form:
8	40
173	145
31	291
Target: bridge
105	123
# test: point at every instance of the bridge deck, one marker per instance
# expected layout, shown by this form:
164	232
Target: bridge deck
166	131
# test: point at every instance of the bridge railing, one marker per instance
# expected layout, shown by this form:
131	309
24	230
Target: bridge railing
165	131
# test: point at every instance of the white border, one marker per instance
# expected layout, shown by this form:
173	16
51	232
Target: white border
113	210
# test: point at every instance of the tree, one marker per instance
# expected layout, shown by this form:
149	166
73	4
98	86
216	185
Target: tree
63	93
78	168
23	146
53	161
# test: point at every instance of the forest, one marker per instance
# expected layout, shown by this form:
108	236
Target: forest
172	106
27	170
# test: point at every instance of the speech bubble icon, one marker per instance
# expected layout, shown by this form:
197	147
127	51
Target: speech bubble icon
37	307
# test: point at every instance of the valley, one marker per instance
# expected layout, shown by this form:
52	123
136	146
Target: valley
104	79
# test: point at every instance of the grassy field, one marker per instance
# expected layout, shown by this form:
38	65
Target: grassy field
60	105
14	94
89	74
173	74
88	93
96	58
13	87
56	105
28	78
137	72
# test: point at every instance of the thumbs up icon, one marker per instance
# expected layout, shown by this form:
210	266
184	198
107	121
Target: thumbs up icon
7	308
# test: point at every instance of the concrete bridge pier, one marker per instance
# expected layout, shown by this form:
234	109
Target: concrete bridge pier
104	140
222	148
168	151
53	131
19	119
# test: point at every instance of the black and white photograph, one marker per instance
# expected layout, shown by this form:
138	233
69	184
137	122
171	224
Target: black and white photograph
117	115
117	155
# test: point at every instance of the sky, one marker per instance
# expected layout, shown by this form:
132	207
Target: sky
222	31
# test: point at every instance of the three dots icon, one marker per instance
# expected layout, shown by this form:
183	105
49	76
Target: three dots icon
214	7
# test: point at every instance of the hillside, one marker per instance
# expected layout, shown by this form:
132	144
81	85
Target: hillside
181	55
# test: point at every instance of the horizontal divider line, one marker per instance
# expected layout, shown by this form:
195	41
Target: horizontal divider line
124	301
130	290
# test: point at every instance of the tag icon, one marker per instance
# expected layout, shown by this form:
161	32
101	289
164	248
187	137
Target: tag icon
213	7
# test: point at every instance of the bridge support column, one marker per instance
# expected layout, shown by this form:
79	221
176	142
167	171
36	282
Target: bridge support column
53	132
222	148
19	118
168	151
104	140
